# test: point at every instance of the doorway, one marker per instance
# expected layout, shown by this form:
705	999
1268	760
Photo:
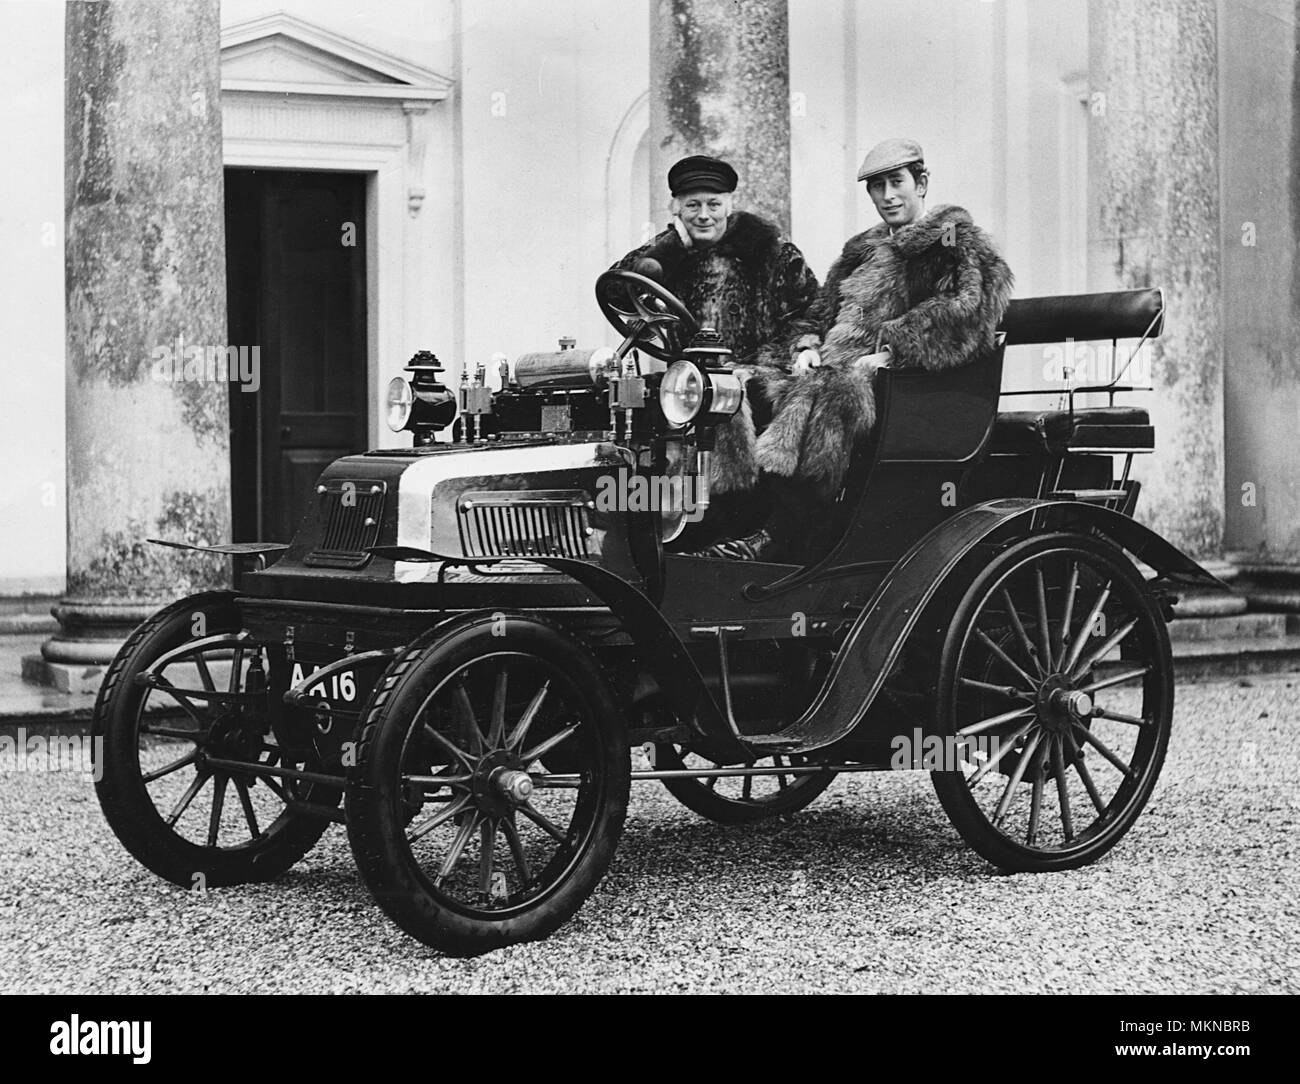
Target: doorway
296	297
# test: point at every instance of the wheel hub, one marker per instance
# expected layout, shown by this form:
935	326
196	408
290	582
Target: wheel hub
1059	706
234	737
499	784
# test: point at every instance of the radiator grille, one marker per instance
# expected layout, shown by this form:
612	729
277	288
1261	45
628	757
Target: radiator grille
525	523
352	512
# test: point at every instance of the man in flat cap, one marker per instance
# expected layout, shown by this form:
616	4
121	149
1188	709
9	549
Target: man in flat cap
736	274
927	288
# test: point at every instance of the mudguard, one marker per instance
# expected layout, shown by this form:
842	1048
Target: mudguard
873	643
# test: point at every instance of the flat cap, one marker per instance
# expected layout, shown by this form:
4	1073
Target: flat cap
700	173
888	155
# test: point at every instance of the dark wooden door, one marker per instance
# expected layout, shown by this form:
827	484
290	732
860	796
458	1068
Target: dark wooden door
296	290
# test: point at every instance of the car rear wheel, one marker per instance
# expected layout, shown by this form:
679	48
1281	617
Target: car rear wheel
741	799
491	783
187	689
1055	703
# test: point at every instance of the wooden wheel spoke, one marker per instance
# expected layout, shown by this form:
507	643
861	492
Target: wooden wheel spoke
747	787
1085	776
542	821
246	800
1036	798
994	720
185	702
1081	637
1119	717
463	833
236	670
1110	643
434	819
542	748
219	784
1004	747
1062	790
487	844
498	727
517	850
449	746
183	803
277	788
1044	639
205	675
175	765
988	642
1101	747
1031	751
465	710
520	732
172	732
1025	642
780	779
1067	615
1115	679
1009	691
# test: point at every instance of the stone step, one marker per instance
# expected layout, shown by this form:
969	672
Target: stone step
1247	626
1202	660
1209	603
22	624
27	614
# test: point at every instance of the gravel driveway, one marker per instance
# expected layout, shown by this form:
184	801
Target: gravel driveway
868	890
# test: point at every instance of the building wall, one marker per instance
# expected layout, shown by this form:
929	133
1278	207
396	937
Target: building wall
542	90
1259	93
33	502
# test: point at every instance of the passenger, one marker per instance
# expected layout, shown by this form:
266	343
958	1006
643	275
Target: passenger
737	275
928	289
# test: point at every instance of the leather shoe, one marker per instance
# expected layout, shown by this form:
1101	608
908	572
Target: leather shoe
759	546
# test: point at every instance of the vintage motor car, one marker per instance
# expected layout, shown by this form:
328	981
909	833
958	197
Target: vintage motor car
468	651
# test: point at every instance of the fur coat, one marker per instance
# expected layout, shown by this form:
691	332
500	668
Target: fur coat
934	292
752	287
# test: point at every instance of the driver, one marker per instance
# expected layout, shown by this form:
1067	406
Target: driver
736	274
919	290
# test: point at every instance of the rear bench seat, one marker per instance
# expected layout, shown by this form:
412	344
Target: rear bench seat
1081	318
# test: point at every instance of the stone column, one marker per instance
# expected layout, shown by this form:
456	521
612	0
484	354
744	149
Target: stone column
1153	220
720	85
148	450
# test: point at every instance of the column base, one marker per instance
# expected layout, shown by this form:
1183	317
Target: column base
70	678
90	634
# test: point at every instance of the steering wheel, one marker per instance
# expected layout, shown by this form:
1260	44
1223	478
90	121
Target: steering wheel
650	318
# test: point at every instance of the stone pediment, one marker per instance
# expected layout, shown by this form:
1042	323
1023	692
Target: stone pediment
282	54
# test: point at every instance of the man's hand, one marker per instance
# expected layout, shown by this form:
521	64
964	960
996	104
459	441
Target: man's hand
876	361
808	359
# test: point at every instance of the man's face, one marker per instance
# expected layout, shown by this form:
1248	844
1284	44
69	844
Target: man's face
705	215
897	196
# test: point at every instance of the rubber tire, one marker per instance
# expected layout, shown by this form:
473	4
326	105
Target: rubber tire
373	801
962	809
122	796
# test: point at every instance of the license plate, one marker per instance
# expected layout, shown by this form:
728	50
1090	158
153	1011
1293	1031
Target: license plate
339	688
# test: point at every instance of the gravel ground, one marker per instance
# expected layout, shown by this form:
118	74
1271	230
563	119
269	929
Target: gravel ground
869	890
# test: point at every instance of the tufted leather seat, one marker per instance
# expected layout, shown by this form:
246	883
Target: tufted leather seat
1034	432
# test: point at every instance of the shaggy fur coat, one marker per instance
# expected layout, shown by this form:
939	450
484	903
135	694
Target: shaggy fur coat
934	292
753	288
